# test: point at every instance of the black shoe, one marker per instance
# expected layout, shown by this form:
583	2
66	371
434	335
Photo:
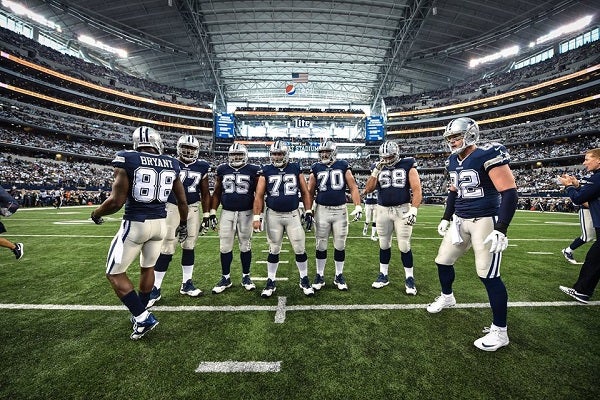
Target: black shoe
18	251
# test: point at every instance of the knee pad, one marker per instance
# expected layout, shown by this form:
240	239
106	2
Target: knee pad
404	245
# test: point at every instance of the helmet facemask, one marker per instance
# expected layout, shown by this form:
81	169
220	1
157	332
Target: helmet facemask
188	148
238	155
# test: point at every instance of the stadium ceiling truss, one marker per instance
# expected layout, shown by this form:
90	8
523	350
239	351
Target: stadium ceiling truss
354	51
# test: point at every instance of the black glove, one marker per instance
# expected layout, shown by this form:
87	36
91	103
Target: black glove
308	220
181	232
204	226
97	220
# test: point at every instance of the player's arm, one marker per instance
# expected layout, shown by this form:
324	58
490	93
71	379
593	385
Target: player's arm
306	196
371	184
259	201
504	182
312	189
415	187
205	197
182	206
216	196
118	196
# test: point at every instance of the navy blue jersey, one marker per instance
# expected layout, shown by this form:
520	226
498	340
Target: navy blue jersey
191	176
590	193
331	182
371	198
282	186
238	186
392	183
151	177
477	196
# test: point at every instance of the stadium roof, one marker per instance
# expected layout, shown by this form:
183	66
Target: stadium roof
353	51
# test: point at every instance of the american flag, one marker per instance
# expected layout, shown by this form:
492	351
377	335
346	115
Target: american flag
300	77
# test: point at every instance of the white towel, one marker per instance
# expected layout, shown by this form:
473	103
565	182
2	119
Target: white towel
455	230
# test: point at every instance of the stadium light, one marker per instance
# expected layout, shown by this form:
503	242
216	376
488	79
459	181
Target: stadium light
96	43
21	10
505	53
563	30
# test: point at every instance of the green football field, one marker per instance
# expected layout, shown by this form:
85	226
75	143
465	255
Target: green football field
65	335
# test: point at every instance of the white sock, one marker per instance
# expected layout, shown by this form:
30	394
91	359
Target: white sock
339	267
383	268
272	270
188	270
408	272
158	278
321	266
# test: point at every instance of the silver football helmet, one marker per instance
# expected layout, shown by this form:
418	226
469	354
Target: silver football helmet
465	128
188	148
389	152
327	152
145	136
280	154
238	155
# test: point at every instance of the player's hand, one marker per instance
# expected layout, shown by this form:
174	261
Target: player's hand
308	220
379	166
181	232
97	220
204	225
443	227
498	240
411	216
213	221
256	223
9	210
357	213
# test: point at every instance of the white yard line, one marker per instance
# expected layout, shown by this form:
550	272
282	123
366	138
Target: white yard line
239	366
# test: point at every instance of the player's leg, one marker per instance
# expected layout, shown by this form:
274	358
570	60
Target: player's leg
488	270
340	233
404	233
297	236
322	230
226	240
274	229
244	233
447	255
187	254
166	253
385	228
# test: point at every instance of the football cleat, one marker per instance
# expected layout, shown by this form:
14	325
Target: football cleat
568	256
340	282
441	302
18	251
141	328
306	287
580	297
494	339
374	238
409	284
188	288
319	282
247	283
154	296
223	284
269	289
365	231
382	280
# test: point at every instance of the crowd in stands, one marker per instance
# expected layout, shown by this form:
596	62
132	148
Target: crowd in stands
42	55
501	81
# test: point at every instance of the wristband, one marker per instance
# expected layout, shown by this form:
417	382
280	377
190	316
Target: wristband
205	215
256	218
213	211
375	173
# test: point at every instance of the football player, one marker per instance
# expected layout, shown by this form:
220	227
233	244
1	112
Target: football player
399	195
279	183
9	206
587	230
194	176
143	180
235	185
327	183
481	203
371	215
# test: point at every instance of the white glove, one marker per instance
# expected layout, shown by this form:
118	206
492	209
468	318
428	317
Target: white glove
411	216
357	213
498	240
443	227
